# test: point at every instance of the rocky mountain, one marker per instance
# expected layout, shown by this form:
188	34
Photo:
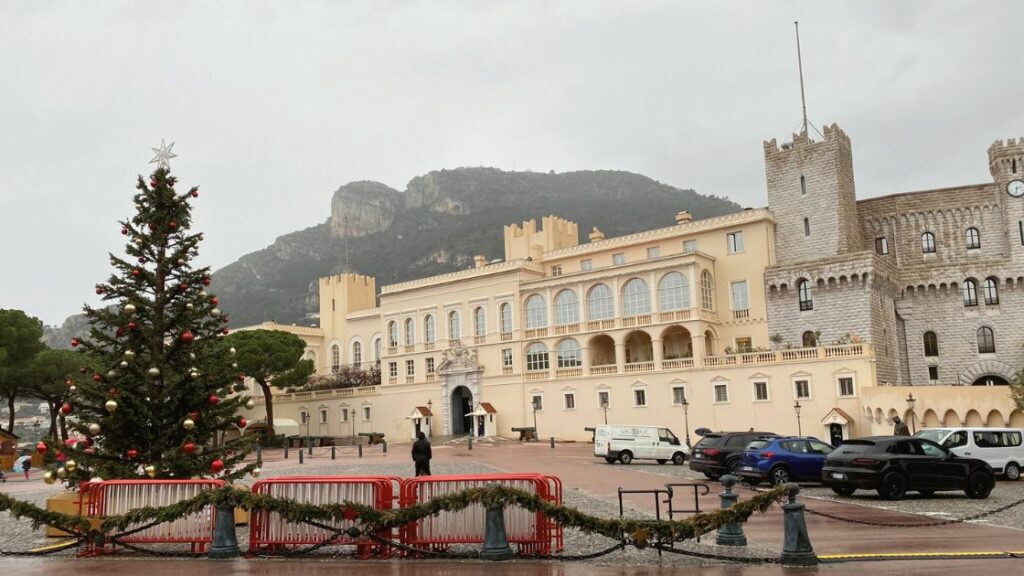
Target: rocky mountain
437	225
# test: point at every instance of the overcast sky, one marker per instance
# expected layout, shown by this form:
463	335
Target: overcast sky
274	105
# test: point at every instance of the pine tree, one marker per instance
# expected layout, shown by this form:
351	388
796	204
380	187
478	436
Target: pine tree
161	400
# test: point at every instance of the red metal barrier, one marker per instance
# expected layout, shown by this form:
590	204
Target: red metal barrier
270	532
115	497
533	532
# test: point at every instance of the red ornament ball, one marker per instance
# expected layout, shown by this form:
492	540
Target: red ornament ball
75	342
82	369
172	225
183	286
124	230
42	448
188	448
113	391
136	272
214	301
195	193
213	400
152	225
224	331
216	466
88	441
97	377
241	377
132	325
206	280
99	289
242	422
66	409
132	453
187	337
70	442
152	183
119	332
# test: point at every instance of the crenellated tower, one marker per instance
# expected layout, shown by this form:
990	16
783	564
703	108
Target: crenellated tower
1006	164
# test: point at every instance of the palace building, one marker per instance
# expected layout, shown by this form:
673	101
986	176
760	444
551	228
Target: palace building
820	314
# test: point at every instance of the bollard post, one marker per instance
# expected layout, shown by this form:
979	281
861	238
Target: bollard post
552	442
225	541
309	446
300	457
285	449
495	540
360	445
384	445
470	443
796	548
730	534
259	454
332	452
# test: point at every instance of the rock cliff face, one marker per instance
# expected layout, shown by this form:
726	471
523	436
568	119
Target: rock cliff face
437	225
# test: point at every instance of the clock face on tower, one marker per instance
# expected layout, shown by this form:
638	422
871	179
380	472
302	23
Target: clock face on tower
1015	188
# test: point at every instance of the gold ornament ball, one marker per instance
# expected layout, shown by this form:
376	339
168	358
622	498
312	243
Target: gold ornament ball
250	404
129	309
48	477
234	365
215	312
129	355
153	372
111	406
189	306
94	429
124	364
255	472
199	450
62	473
194	374
191	355
202	295
188	424
71	465
72	388
150	470
233	351
111	374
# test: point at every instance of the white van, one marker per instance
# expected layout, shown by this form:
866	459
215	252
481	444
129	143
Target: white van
1001	448
627	443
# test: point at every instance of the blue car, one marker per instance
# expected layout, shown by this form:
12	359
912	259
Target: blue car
783	459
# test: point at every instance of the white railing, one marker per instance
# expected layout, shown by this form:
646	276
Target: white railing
479	339
536	333
506	336
330	393
567	328
641	320
604	369
568	372
677	364
677	316
539	375
639	367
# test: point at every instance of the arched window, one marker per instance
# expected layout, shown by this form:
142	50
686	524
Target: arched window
536	312
803	186
707	291
991	291
636	298
972	238
505	311
931	344
537	357
807	227
970	292
673	292
376	350
567	308
410	332
335	358
803	290
928	243
392	334
600	303
986	341
808	340
454	325
429	329
569	354
479	321
357	355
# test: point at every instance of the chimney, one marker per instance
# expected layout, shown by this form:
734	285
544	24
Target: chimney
596	235
683	217
480	260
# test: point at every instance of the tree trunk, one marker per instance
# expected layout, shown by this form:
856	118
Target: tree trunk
10	408
268	401
53	421
63	427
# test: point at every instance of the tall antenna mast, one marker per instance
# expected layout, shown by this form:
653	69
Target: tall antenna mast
800	64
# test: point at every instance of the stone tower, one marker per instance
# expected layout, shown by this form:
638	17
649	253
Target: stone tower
1006	164
811	195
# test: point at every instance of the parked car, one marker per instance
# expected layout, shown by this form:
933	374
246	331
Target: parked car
894	465
719	453
1002	448
784	459
627	443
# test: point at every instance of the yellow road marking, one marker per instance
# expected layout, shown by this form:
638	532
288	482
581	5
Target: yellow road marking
57	546
918	554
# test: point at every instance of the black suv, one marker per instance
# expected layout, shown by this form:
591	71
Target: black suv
719	453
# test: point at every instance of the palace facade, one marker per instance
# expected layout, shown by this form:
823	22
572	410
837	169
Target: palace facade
814	315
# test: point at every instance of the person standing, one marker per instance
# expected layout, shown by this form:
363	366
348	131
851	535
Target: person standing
899	427
23	464
421	454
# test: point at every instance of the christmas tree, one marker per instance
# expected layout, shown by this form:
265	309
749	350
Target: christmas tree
161	401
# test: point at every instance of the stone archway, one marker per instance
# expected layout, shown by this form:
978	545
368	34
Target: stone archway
461	407
980	373
458	369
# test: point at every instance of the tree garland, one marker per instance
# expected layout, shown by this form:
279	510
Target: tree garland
370	519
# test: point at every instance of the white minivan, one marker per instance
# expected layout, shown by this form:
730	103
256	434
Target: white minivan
1001	448
627	443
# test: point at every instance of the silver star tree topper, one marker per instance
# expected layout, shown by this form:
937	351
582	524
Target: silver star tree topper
163	155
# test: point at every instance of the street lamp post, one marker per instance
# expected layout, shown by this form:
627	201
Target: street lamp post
430	419
686	419
536	406
910	404
796	408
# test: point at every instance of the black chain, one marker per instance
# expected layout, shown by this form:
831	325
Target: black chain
159	553
710	556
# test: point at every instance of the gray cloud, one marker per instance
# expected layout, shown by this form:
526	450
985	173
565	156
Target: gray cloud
275	104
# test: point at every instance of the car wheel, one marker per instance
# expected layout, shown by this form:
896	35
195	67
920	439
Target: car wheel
844	490
609	460
662	460
979	485
734	467
712	475
926	493
780	476
679	458
893	487
1012	471
626	457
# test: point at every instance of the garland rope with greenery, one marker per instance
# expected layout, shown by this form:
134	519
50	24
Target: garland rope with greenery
370	519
